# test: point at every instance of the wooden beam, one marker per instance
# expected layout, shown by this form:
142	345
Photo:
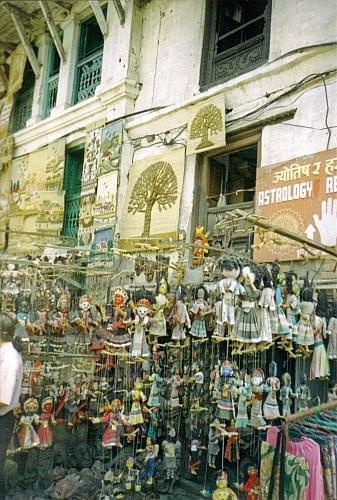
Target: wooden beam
100	18
27	45
61	5
3	75
7	46
120	11
24	16
262	222
52	28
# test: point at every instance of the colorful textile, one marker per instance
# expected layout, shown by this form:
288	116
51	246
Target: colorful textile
296	477
310	451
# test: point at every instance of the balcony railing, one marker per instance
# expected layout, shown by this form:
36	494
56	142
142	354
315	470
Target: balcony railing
52	87
88	76
22	109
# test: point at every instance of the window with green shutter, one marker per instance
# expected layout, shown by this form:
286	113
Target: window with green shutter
52	81
22	109
89	61
72	188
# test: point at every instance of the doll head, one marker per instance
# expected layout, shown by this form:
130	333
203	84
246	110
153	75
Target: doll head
229	267
63	303
144	301
286	379
291	283
257	377
222	481
85	303
200	292
119	298
47	405
31	405
163	287
172	435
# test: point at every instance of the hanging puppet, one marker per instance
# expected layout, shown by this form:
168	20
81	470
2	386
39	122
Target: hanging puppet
179	316
47	420
158	322
27	435
117	329
199	311
286	394
319	367
139	345
229	288
272	386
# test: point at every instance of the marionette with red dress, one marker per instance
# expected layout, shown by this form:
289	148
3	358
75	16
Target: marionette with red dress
113	417
47	420
117	330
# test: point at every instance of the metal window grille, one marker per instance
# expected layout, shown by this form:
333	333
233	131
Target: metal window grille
88	76
71	215
52	87
22	109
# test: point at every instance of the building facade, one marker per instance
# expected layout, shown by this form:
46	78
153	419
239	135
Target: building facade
111	90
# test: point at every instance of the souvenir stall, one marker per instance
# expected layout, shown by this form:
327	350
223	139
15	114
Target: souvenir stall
138	383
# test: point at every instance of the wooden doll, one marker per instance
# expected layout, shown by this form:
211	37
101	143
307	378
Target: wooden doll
332	333
139	345
229	289
60	322
171	449
112	416
24	318
27	435
199	310
158	322
303	394
305	330
256	417
245	393
223	491
286	393
272	386
319	367
47	420
200	244
215	432
85	320
267	306
117	330
179	316
138	397
246	329
154	397
151	454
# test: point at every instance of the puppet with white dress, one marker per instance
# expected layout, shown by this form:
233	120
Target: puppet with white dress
229	288
158	322
319	367
332	333
139	345
27	435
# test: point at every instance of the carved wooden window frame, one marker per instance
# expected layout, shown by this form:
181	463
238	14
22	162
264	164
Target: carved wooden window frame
235	61
235	142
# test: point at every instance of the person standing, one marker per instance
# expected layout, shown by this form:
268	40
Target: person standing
10	387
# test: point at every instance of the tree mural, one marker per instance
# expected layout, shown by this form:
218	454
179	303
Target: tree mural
207	121
157	184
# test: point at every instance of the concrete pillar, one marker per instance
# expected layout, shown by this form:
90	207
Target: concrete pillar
43	43
71	31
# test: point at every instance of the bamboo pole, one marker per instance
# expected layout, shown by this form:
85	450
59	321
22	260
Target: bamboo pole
262	222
